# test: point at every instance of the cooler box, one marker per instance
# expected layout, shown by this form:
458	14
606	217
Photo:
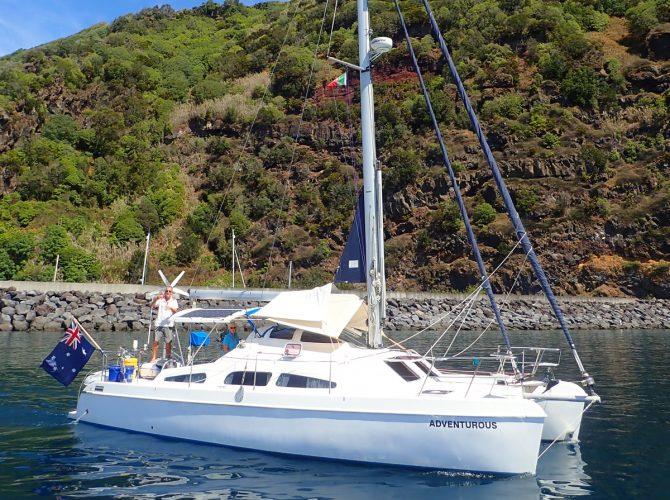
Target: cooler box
200	338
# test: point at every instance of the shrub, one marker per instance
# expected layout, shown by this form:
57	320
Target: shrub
642	17
595	160
7	266
201	219
525	200
483	214
79	265
447	218
550	141
60	127
239	222
127	228
507	106
291	72
218	146
147	215
188	249
207	89
582	87
404	164
54	242
134	269
18	245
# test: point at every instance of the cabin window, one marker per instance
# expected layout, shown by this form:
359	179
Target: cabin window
195	378
248	378
281	332
292	380
403	370
425	368
316	338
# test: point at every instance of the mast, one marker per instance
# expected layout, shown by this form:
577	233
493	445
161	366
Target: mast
371	196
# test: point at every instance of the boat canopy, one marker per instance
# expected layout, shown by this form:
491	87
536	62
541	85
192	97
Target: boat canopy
317	310
210	316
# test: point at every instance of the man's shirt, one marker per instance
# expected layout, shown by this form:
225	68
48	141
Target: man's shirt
231	340
164	313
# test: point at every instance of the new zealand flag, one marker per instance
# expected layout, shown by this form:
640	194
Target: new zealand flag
69	356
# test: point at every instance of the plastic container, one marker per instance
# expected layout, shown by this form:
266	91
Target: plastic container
199	338
130	362
128	374
114	373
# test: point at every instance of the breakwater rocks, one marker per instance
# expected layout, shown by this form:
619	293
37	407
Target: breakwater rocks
51	311
33	310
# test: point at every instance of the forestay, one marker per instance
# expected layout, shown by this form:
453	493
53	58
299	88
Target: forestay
317	310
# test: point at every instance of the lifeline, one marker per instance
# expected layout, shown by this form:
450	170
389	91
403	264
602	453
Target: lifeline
463	424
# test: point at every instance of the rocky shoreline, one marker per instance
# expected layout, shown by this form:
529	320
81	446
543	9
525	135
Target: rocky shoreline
51	311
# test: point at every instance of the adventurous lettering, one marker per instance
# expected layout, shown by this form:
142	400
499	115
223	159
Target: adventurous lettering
463	424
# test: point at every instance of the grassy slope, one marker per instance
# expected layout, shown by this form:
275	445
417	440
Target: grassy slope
144	124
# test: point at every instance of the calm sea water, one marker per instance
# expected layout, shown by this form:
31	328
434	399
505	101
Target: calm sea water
623	453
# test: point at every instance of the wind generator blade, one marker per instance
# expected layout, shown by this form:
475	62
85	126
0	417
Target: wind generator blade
176	280
181	292
165	280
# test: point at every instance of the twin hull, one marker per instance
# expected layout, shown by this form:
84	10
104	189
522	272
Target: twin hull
501	445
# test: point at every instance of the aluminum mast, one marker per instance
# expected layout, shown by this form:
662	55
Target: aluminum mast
371	197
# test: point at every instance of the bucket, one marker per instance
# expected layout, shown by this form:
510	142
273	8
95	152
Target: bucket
114	374
130	362
130	370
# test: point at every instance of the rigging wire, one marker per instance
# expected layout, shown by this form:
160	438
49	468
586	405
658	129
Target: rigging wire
215	219
295	143
507	199
457	191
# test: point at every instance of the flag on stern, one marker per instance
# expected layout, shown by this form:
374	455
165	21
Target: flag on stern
340	81
69	356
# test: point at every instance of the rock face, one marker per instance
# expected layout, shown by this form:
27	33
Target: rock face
658	42
52	311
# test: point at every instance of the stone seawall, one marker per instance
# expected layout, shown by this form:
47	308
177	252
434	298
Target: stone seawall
38	310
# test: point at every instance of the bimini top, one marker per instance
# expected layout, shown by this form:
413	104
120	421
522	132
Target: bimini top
317	310
210	316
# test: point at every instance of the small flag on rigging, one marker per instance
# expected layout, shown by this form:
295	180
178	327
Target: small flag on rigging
69	356
340	81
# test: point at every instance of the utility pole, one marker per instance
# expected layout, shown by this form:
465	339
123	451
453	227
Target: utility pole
56	268
233	267
146	254
290	271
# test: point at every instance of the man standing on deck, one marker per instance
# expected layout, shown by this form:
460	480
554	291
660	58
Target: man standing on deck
231	339
166	305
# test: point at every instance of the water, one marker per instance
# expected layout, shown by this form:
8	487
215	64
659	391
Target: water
623	452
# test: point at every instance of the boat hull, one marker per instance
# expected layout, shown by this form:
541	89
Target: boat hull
466	443
564	417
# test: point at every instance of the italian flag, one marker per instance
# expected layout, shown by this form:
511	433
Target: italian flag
340	81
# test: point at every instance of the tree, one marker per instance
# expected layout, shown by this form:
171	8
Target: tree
188	249
642	17
582	86
54	242
292	72
127	228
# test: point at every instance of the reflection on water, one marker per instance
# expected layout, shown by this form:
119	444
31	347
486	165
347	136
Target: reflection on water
622	453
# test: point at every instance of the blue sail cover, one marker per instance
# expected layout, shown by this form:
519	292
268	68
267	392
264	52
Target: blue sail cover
352	261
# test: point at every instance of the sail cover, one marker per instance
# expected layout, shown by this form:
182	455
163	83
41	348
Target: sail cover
317	310
352	262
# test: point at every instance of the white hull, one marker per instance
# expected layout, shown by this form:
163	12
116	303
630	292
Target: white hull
502	445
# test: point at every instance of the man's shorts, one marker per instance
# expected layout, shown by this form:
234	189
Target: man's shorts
163	332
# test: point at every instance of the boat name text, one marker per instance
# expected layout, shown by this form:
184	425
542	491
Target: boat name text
463	424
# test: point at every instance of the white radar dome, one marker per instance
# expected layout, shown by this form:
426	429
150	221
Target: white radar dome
381	44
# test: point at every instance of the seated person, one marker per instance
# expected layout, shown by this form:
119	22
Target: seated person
231	339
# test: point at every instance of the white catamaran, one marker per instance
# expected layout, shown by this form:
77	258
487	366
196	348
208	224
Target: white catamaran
306	386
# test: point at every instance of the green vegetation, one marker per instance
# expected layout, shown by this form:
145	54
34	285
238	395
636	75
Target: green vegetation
145	125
